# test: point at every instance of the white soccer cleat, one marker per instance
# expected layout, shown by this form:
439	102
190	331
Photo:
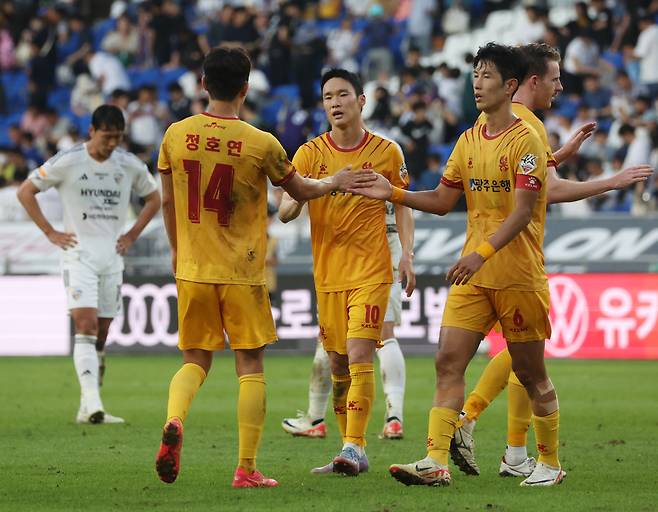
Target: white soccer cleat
97	417
303	426
424	472
523	469
462	451
544	476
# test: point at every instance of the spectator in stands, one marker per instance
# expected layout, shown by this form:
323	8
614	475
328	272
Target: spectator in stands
417	139
343	44
381	116
646	51
33	120
582	23
144	57
107	71
596	98
278	56
74	41
431	176
7	49
420	24
595	170
602	23
179	104
120	98
70	139
533	28
308	54
378	33
217	27
166	21
147	119
581	58
30	151
11	209
242	30
623	96
123	41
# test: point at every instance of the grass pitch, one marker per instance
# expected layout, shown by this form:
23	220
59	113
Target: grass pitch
609	414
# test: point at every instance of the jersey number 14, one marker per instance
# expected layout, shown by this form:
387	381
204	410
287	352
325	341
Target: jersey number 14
217	196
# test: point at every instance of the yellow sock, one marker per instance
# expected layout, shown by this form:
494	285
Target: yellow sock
443	423
519	412
547	429
359	401
341	385
184	385
492	381
251	417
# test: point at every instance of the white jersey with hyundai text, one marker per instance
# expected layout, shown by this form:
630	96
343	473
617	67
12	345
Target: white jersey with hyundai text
95	196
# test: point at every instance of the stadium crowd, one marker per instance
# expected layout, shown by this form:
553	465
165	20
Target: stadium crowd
59	61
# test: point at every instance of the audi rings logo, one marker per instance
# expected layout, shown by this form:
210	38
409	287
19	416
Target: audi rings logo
569	317
149	316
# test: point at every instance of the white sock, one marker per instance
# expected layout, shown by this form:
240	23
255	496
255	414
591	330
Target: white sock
392	369
85	360
319	388
515	454
359	449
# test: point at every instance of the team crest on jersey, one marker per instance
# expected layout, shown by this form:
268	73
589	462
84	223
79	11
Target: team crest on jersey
118	178
403	171
76	293
366	165
503	164
323	169
470	162
528	163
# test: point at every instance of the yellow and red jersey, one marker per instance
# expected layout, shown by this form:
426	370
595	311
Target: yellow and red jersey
220	168
520	110
348	232
489	169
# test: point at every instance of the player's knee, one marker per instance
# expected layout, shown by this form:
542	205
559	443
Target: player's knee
447	366
86	325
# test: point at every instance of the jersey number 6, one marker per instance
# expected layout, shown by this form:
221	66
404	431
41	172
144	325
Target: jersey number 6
216	198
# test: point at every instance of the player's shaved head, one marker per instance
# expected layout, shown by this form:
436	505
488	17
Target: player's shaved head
537	57
348	76
507	60
226	71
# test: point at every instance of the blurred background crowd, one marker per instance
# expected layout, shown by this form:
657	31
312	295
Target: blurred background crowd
60	60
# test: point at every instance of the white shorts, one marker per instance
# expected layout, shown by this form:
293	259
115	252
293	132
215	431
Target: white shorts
394	308
87	289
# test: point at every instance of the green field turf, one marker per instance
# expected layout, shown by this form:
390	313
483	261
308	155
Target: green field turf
609	423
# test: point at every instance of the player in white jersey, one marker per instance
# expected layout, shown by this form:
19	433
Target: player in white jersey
391	360
94	180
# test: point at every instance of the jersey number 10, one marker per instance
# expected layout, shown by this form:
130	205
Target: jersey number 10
216	198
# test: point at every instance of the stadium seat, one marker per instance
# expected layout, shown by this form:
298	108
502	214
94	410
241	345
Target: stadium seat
614	58
139	77
287	93
15	86
60	99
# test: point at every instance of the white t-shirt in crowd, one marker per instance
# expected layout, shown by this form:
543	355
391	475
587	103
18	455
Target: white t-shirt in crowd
108	68
646	50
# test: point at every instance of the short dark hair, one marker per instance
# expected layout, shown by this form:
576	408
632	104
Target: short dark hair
226	71
108	117
537	57
508	60
626	129
350	77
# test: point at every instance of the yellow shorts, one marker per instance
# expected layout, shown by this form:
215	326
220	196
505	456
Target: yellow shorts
348	314
206	311
523	315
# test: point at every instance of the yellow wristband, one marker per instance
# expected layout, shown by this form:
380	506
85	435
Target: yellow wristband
397	195
486	250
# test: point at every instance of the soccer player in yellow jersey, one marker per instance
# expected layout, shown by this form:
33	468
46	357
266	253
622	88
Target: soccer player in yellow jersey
501	167
540	85
214	169
351	258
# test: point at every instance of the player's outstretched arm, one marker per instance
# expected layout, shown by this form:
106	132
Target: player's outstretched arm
289	209
561	190
469	264
572	146
169	214
150	208
303	189
27	196
440	201
405	221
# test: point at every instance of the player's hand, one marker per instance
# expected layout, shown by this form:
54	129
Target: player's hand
583	133
124	243
630	176
62	239
346	179
377	188
407	273
462	271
